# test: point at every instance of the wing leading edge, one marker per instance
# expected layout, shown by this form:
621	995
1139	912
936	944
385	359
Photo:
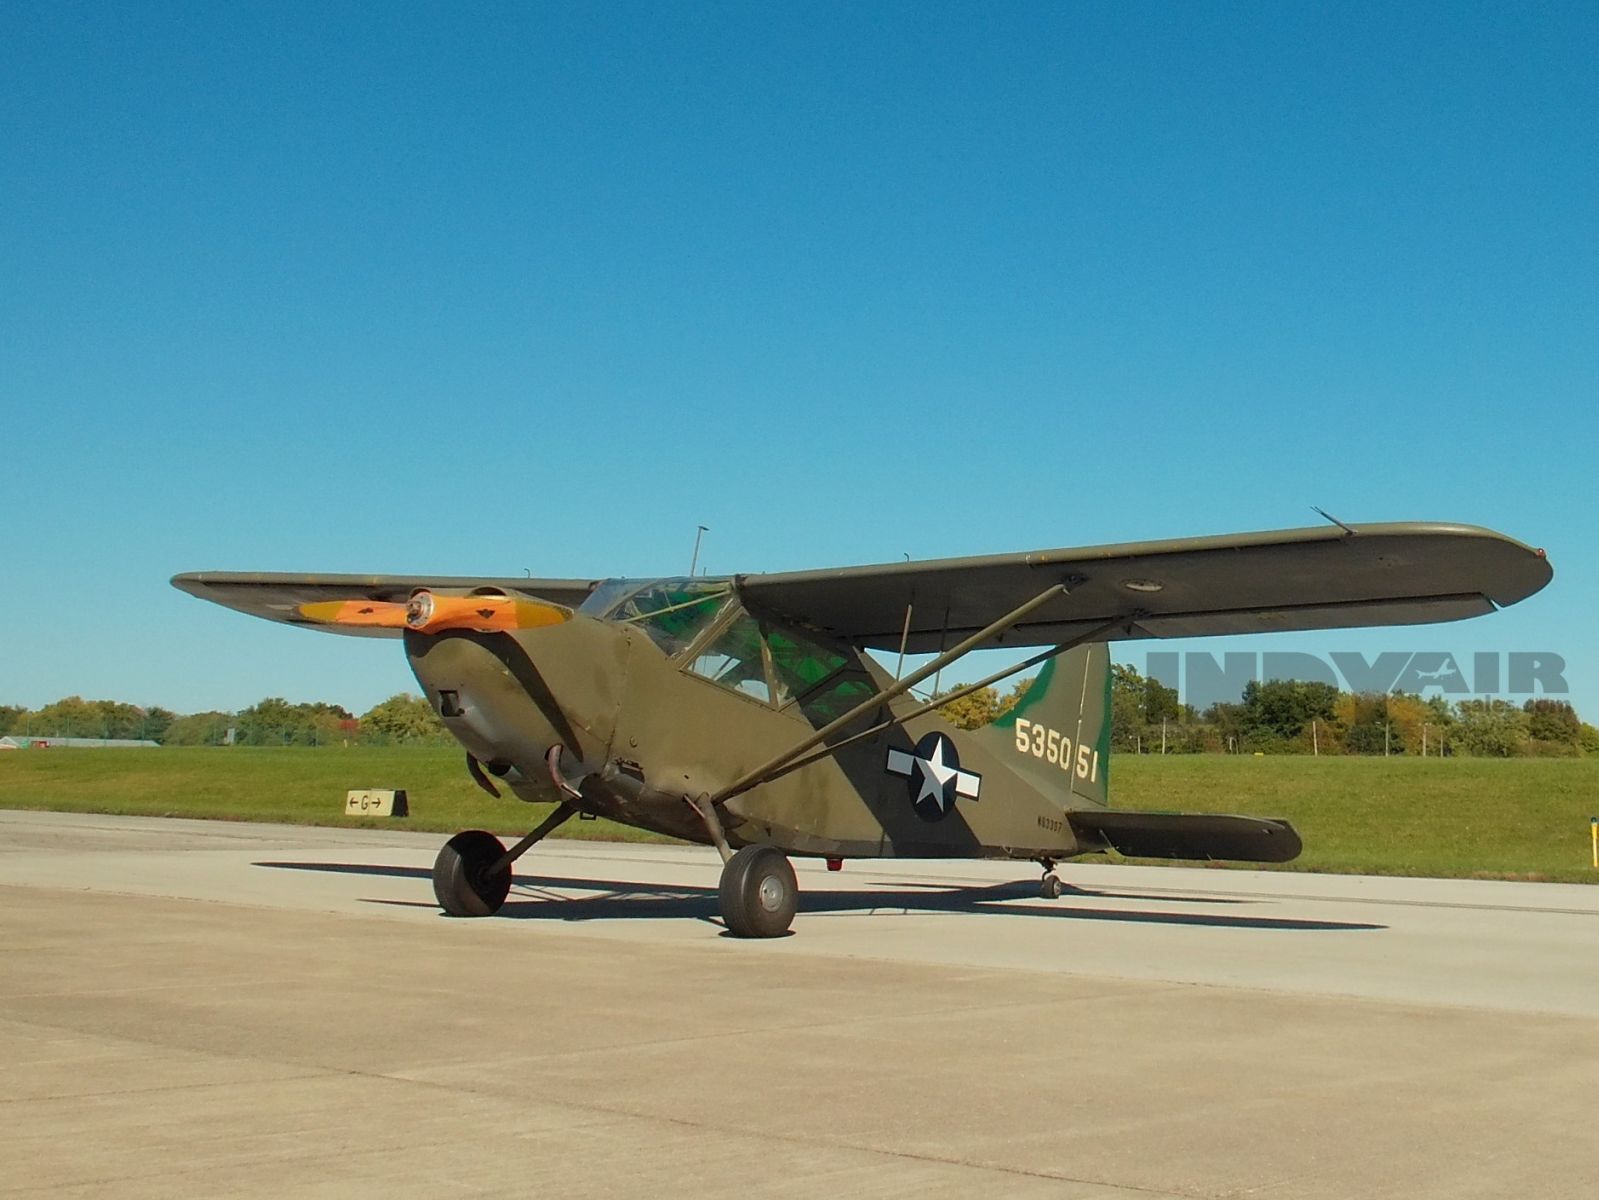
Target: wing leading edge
1324	577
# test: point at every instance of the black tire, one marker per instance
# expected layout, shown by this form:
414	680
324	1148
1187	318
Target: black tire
758	894
1050	887
461	879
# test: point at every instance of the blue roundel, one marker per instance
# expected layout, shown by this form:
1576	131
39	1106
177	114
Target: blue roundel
933	776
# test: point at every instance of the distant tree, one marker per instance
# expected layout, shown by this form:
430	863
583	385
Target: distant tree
1490	728
1139	705
276	722
1012	698
1407	714
73	716
403	718
1160	703
157	721
1552	721
70	716
971	711
1229	723
11	718
982	707
1441	725
1362	725
1284	708
1588	739
199	729
1126	706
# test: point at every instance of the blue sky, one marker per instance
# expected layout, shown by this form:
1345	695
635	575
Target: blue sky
450	289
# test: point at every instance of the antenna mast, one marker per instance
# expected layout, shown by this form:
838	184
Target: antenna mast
695	562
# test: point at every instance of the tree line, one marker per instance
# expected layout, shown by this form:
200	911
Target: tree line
401	719
1289	716
1277	716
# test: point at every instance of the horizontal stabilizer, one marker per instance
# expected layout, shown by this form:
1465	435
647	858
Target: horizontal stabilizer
1186	835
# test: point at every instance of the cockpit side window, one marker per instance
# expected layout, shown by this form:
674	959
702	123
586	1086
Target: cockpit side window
777	665
735	659
798	663
837	696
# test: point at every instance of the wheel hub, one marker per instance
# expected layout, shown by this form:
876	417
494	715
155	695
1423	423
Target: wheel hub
771	893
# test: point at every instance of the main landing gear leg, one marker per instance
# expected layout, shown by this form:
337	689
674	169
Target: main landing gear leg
472	874
1050	886
758	894
706	812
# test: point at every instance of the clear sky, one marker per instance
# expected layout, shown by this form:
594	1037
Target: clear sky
485	289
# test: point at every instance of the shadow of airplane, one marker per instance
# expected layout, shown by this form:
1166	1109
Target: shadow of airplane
633	900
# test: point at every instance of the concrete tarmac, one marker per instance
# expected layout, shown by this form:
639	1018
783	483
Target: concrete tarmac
208	1009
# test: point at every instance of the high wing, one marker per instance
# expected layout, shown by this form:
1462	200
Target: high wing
1326	577
281	597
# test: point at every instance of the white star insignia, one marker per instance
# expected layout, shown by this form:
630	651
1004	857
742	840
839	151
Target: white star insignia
935	775
936	770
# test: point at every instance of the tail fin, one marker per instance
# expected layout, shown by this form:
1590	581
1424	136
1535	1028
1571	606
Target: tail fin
1063	723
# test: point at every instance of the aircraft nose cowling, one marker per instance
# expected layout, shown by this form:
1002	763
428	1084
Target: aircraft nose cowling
489	695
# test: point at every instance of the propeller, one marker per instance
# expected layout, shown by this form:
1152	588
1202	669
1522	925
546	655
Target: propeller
429	612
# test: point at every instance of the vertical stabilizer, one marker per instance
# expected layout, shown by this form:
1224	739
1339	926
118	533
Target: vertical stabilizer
1059	732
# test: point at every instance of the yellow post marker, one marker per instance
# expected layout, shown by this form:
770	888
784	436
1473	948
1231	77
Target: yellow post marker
1593	831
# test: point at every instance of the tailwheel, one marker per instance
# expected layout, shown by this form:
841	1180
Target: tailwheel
758	893
464	878
1050	886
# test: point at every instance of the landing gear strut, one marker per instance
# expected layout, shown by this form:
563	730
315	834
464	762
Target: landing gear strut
1050	886
758	895
472	874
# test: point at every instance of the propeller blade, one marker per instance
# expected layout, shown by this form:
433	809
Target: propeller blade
428	612
383	614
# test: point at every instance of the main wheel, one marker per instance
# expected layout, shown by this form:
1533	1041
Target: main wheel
758	894
461	878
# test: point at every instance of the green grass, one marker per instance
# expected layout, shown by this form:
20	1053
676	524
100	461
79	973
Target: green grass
1515	818
1457	817
292	785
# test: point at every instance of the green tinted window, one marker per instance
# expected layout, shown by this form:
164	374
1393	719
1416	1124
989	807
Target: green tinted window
799	663
734	660
832	701
673	614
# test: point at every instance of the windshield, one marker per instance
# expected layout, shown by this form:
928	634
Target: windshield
671	611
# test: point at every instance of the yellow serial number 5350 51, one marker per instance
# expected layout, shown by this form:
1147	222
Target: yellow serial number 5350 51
1055	747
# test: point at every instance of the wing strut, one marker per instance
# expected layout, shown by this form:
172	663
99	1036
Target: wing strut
794	764
750	778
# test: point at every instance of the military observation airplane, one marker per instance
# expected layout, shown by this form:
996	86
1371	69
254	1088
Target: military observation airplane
744	712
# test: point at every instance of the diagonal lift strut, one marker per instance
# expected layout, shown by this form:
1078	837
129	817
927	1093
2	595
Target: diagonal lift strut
807	759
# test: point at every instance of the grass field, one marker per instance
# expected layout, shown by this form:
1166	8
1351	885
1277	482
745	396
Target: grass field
1515	818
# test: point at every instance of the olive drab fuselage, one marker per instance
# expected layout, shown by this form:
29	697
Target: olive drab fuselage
655	708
